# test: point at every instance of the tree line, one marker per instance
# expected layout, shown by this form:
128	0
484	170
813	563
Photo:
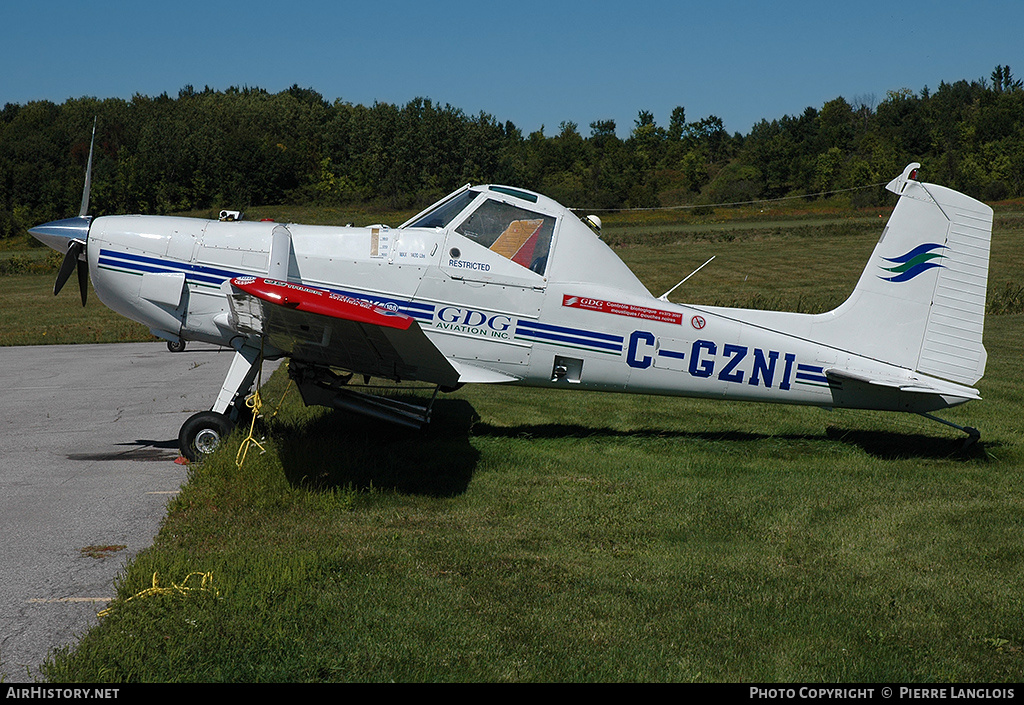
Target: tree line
245	146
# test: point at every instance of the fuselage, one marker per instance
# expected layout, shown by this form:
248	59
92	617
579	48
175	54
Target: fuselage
555	308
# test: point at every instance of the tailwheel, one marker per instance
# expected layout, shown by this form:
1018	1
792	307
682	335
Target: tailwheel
973	434
202	433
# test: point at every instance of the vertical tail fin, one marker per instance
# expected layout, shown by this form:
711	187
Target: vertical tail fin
920	302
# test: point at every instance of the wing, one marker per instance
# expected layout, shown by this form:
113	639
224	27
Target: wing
322	327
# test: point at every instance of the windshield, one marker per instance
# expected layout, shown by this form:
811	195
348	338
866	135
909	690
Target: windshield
446	212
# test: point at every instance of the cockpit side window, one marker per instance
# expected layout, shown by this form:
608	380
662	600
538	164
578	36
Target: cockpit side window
521	235
446	212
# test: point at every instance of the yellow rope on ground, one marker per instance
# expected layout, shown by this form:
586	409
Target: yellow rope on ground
206	585
281	400
255	403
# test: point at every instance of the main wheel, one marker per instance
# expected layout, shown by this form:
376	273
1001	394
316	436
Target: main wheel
175	345
202	433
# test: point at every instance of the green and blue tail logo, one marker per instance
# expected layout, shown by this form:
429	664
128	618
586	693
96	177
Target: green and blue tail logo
909	265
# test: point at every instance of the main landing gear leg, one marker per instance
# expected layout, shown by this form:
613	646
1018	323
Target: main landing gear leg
202	433
973	434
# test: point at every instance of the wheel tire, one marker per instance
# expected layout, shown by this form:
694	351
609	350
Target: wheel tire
202	433
176	346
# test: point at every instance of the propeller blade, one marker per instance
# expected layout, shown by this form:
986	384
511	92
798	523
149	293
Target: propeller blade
75	248
84	209
83	279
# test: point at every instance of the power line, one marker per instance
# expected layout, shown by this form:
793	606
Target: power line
731	203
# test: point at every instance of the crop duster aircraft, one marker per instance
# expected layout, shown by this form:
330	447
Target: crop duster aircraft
500	285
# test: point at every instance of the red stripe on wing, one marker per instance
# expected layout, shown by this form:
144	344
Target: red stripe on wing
312	299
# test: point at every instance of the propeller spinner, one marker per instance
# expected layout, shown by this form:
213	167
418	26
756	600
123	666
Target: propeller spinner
70	235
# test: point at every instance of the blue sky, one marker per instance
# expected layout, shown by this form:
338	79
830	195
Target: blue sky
534	63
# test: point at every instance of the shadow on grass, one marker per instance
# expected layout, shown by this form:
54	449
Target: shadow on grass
556	430
337	449
886	445
889	445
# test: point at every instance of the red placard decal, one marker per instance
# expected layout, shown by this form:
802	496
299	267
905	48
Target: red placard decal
631	310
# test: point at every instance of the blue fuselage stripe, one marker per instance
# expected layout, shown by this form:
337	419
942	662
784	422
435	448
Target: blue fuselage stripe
201	274
546	328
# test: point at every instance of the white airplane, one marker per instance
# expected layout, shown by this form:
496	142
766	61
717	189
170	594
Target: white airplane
500	285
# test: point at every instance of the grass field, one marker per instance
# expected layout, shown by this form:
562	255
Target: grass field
536	536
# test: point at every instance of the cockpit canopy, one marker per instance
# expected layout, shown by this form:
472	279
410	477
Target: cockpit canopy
509	222
509	236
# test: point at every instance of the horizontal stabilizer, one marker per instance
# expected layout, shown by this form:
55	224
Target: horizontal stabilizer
912	385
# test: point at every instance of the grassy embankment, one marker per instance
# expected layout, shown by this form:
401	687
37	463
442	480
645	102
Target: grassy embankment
539	536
